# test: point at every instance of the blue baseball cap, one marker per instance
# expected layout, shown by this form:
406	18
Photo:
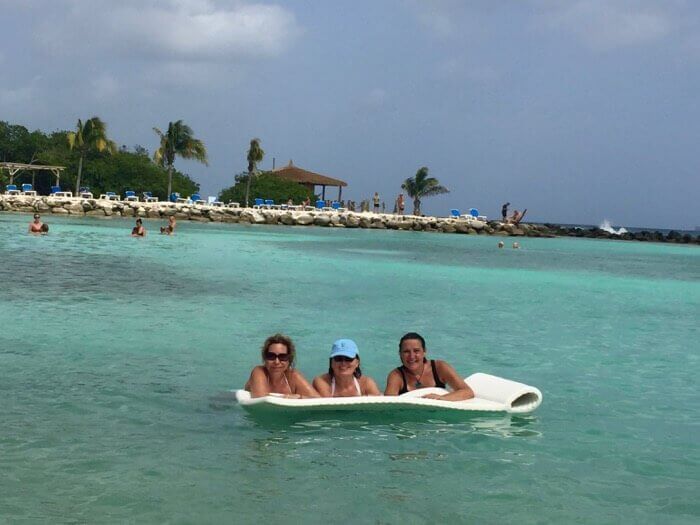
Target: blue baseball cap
346	347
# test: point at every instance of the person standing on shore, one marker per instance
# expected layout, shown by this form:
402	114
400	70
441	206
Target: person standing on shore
375	201
504	211
400	204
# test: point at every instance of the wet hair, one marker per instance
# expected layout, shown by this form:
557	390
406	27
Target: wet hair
139	221
283	340
357	373
45	228
412	335
37	216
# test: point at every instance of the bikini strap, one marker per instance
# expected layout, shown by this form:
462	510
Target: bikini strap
357	385
436	377
403	375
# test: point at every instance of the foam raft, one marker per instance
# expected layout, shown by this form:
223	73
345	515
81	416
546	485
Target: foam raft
492	394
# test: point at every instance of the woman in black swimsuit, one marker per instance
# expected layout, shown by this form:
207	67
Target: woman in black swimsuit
417	372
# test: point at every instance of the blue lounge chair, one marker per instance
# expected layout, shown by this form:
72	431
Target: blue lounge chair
454	213
85	193
174	196
196	198
320	205
57	192
130	196
28	190
269	204
259	203
474	212
11	189
148	197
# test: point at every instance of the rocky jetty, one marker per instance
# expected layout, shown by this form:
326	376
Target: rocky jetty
377	221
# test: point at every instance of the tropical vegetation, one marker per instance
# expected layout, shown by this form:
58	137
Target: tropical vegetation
178	140
422	186
255	156
91	136
126	169
265	185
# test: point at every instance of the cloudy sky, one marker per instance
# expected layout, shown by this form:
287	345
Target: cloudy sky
579	110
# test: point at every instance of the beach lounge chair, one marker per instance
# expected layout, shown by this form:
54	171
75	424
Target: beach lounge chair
110	196
11	189
28	190
56	192
174	197
259	203
335	206
269	204
85	193
148	197
233	205
474	212
320	205
454	213
130	196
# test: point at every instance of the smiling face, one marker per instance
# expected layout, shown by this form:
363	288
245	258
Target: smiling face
412	354
344	366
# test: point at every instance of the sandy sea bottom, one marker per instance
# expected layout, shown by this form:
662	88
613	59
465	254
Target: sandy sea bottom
117	356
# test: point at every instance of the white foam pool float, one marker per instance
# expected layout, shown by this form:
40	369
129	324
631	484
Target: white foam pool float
492	394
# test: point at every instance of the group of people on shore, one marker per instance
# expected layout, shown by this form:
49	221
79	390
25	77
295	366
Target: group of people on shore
399	204
513	219
277	374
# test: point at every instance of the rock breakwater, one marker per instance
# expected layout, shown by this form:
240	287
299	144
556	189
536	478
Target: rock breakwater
208	213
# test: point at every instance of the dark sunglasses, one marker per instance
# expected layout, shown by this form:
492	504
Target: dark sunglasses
271	356
342	359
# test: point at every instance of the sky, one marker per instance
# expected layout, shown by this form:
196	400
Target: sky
578	110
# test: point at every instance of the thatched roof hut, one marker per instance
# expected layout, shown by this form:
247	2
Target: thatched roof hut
309	178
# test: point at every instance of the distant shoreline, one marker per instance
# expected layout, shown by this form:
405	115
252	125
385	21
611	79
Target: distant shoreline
78	207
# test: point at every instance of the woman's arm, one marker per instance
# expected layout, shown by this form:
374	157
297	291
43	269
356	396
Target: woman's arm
322	385
302	386
460	389
258	385
394	381
369	387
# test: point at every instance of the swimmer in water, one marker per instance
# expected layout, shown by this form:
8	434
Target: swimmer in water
36	225
344	377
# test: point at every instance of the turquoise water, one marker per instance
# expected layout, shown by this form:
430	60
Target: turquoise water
117	355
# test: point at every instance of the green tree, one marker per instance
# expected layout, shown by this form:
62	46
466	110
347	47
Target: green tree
266	185
255	155
91	136
422	186
178	140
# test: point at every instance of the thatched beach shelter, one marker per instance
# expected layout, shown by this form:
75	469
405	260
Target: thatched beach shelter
309	179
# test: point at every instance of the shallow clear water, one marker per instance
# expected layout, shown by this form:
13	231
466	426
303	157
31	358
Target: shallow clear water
117	355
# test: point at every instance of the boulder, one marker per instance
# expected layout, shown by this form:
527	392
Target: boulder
393	224
461	227
74	208
447	228
352	221
287	218
405	225
304	219
365	222
322	220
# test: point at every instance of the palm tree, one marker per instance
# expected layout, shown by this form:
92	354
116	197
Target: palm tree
91	136
422	186
178	140
255	155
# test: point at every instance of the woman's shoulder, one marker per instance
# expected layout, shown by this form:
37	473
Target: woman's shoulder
326	378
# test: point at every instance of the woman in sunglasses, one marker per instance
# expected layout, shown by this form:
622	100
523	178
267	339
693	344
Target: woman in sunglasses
344	377
416	371
277	374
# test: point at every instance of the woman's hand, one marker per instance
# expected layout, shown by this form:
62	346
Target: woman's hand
292	396
432	396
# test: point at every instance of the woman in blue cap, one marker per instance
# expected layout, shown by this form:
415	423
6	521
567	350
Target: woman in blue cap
416	371
344	377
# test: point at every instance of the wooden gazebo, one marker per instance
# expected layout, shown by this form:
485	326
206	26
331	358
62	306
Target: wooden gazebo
309	179
14	167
